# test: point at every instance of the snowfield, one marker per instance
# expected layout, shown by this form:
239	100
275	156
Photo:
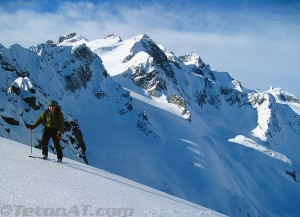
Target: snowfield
36	187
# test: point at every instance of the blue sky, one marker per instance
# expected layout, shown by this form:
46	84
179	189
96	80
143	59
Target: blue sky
256	41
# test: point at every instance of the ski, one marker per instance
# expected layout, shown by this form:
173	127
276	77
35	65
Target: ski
48	159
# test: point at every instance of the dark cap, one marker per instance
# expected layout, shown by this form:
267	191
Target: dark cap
52	103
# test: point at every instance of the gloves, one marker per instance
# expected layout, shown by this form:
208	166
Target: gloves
58	137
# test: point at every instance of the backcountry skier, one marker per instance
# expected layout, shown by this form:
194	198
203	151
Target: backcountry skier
53	120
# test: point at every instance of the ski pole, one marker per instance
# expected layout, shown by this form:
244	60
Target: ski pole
82	156
30	143
65	142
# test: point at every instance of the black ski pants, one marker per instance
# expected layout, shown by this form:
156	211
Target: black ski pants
51	133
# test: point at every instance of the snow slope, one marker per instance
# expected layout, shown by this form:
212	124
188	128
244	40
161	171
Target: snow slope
35	187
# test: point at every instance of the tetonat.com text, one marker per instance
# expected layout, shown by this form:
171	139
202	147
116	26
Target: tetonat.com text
74	210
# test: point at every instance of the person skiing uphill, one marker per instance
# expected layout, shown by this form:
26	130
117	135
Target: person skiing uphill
53	120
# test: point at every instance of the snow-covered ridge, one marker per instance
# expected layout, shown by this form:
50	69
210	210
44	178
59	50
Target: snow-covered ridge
284	97
242	140
36	187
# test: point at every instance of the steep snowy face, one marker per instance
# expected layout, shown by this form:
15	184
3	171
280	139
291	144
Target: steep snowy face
18	94
278	121
155	75
275	114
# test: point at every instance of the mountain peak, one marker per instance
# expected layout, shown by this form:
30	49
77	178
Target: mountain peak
113	36
283	95
142	37
71	38
192	58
